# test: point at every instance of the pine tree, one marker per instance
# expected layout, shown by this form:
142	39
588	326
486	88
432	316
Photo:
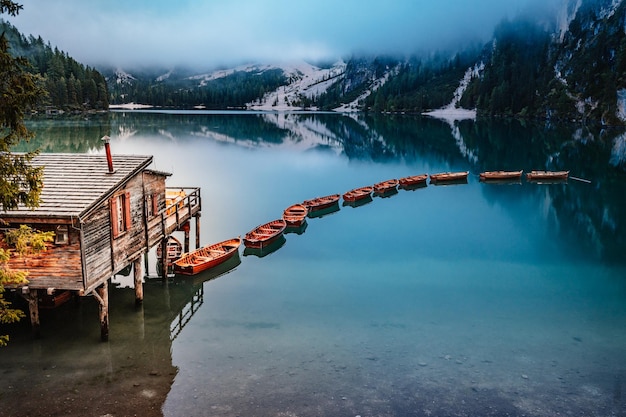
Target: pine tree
20	183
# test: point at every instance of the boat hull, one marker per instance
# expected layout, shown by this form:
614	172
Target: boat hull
265	234
206	257
295	215
500	175
358	194
413	181
547	175
385	187
321	203
449	177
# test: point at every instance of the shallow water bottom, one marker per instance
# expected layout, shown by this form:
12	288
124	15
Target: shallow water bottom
436	342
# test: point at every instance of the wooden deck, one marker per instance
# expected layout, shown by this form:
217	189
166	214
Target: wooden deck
180	212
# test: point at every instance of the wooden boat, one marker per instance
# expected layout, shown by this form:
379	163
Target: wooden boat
385	186
263	235
358	194
413	180
449	176
295	215
326	211
320	203
206	257
500	175
174	200
547	175
358	203
266	250
174	251
54	300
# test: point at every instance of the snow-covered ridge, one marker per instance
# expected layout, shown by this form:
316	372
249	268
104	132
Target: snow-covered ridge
122	77
305	80
204	79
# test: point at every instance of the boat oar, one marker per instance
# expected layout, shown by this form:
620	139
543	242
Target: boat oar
581	180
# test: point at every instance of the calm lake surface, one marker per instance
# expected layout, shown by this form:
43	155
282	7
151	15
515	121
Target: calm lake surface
468	299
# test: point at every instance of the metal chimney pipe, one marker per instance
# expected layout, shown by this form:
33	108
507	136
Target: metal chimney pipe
107	149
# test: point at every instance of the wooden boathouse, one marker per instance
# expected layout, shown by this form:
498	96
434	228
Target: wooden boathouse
107	212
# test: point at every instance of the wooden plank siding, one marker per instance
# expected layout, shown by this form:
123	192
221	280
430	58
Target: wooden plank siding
58	267
97	247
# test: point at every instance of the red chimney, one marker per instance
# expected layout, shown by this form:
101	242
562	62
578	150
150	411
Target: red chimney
107	149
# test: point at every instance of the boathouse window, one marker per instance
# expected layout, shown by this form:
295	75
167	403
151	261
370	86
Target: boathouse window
120	214
61	235
152	205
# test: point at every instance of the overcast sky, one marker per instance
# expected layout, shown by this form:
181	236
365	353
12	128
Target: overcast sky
207	33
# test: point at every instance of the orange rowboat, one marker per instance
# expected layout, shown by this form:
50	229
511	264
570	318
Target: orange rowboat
295	215
320	203
547	175
358	194
385	186
413	180
449	176
500	175
206	257
265	234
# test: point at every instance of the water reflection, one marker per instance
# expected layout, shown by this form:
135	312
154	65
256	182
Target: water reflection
502	296
265	250
592	213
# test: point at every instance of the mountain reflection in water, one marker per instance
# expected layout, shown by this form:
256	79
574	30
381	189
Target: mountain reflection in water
438	301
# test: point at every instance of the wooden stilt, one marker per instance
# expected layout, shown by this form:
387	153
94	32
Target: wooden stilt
102	295
146	263
164	259
186	242
137	273
33	308
197	230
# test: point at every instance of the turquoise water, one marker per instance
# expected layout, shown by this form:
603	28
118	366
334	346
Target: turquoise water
469	299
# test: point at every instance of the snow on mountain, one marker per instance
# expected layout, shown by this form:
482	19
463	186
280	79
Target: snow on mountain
204	79
122	77
164	76
353	106
305	80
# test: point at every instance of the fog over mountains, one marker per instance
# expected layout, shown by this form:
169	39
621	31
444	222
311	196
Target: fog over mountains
570	66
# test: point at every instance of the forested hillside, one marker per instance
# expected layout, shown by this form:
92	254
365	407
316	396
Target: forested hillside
567	66
577	75
181	89
70	86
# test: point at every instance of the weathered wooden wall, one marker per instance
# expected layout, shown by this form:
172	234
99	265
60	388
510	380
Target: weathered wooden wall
154	184
58	267
97	246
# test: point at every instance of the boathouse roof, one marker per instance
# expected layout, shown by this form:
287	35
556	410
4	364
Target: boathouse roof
74	183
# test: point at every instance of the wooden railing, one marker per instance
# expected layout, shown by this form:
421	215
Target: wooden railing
180	209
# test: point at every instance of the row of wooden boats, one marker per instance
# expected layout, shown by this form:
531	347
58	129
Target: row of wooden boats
294	216
517	175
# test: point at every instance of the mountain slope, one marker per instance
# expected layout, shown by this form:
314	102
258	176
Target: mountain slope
567	66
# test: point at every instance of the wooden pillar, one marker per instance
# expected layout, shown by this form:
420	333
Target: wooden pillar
146	263
137	274
197	230
33	308
102	295
186	241
164	259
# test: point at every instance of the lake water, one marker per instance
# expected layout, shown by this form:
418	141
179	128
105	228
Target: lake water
468	299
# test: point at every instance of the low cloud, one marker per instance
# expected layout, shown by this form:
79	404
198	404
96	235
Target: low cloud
220	32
